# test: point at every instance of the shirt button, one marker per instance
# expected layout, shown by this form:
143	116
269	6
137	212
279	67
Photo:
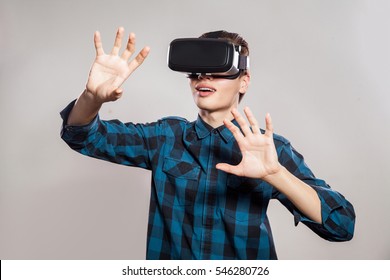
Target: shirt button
215	131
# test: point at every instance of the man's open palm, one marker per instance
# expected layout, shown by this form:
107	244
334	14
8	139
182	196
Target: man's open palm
259	157
109	71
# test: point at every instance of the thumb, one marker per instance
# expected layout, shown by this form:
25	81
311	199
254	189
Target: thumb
116	94
227	168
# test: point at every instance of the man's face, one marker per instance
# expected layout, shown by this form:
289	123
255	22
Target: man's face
217	94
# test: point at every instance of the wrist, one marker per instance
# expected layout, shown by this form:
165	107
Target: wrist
84	110
91	98
275	175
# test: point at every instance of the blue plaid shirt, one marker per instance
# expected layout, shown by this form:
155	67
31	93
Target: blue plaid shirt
197	211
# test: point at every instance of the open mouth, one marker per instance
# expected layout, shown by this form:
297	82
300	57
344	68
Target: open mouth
205	89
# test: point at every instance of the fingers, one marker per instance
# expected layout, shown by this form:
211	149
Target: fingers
254	128
269	128
127	53
252	121
118	41
98	43
234	130
139	59
242	122
246	129
129	48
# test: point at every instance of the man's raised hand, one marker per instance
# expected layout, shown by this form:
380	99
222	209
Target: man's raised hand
259	157
110	71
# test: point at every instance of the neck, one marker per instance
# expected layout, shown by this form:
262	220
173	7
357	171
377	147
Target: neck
215	119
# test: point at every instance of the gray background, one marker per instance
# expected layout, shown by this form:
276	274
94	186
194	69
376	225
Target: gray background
321	68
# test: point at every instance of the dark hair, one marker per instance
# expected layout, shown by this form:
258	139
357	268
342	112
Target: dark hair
234	38
231	37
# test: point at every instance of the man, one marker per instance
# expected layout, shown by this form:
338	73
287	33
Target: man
212	179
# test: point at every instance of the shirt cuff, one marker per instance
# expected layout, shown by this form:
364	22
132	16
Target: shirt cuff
70	131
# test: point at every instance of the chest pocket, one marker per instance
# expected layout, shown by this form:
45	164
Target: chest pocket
245	199
181	185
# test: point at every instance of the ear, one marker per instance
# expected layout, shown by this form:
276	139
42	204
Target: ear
244	80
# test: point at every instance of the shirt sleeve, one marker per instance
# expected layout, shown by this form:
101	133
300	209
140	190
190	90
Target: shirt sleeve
338	215
123	143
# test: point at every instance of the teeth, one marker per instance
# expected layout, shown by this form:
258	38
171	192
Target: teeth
206	89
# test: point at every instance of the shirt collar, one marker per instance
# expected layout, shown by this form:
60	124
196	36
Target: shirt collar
203	130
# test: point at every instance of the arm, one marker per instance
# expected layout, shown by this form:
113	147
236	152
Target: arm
329	214
260	161
303	196
123	143
107	74
114	141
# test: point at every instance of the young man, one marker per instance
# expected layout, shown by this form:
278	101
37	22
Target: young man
212	178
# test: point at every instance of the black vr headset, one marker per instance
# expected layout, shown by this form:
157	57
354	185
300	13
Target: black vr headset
206	56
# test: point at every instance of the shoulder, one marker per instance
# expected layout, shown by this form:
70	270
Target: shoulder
280	140
174	120
174	124
283	146
163	122
285	149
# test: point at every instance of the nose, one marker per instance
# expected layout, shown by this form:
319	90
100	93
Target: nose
205	76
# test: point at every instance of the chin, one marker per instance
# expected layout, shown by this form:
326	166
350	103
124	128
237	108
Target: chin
207	105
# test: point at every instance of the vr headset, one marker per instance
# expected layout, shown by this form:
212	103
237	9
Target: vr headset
206	56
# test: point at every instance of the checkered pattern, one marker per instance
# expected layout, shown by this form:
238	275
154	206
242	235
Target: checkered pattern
197	211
